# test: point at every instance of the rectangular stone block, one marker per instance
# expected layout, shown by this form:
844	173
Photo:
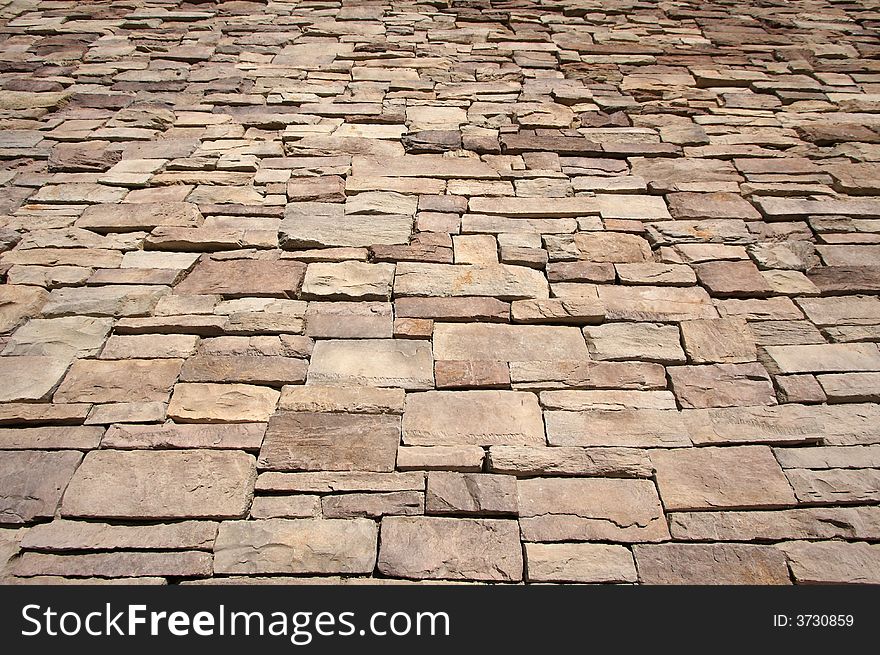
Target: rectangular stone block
296	546
62	535
472	494
640	428
350	400
32	482
117	565
527	461
479	418
372	362
586	563
222	403
233	436
825	358
501	281
507	343
589	509
716	478
244	277
132	380
454	549
161	484
308	441
698	564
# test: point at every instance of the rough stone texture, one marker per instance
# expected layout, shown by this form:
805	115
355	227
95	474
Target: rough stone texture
480	418
588	509
243	277
721	385
699	564
348	281
710	478
218	403
579	563
32	482
18	302
833	562
649	341
307	441
161	484
352	400
477	494
116	565
30	377
447	548
132	380
73	336
373	362
608	253
507	343
501	281
296	546
64	535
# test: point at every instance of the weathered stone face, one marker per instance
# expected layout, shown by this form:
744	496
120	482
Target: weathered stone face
372	362
219	403
715	478
570	509
445	548
296	546
32	482
308	441
711	564
481	418
161	484
243	277
133	380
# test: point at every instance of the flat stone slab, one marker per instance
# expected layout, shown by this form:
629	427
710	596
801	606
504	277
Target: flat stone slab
480	418
131	380
30	377
348	281
116	565
641	428
697	564
296	546
507	343
122	300
32	482
161	484
453	549
325	227
245	436
588	509
721	478
833	562
825	358
474	494
528	461
501	281
62	535
244	277
71	336
807	523
722	385
644	341
372	362
310	441
220	403
18	302
585	563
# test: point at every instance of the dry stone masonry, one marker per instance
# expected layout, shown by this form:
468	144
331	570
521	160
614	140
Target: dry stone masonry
485	291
